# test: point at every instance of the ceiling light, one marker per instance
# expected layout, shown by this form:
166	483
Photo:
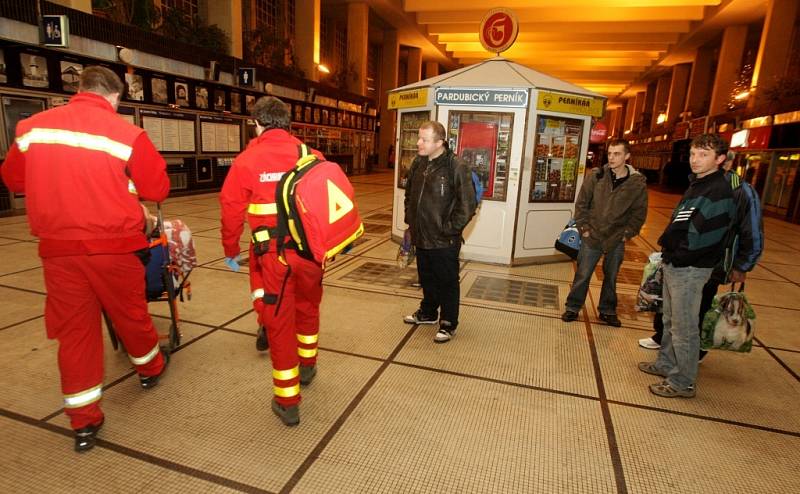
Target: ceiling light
322	68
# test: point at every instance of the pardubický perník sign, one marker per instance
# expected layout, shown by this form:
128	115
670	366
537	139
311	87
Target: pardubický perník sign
482	97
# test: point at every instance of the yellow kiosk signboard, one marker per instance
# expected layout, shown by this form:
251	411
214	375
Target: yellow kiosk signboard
408	99
570	103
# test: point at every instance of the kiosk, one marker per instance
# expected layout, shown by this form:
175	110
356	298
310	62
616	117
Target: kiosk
527	136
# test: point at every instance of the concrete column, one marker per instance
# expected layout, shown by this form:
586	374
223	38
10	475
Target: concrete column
307	37
774	50
729	66
390	59
357	45
660	101
82	5
677	90
630	108
414	65
699	92
638	110
431	69
228	17
618	123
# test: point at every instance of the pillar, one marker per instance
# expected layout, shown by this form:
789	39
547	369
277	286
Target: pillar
307	37
677	90
630	107
660	100
729	66
638	112
431	69
774	48
390	58
357	45
228	17
414	65
697	97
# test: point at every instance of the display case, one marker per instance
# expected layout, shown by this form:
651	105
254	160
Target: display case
482	140
556	157
410	123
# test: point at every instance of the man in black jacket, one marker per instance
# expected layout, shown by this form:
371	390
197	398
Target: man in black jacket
439	203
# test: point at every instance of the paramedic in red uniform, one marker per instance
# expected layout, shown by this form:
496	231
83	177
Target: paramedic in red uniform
288	292
81	166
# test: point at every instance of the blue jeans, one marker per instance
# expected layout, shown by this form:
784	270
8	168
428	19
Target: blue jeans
677	358
588	257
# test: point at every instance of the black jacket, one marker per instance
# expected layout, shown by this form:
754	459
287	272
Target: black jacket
440	200
696	233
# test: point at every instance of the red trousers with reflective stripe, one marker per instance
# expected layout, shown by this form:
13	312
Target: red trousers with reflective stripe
298	287
78	288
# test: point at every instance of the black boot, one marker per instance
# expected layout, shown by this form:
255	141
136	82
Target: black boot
289	415
148	382
86	437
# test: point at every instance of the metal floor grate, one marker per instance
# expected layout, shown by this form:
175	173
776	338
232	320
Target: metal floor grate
374	273
380	217
516	292
376	228
629	276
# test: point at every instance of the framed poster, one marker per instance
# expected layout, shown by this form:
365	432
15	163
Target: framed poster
236	103
3	77
181	94
135	87
159	90
34	70
201	97
70	76
219	99
249	102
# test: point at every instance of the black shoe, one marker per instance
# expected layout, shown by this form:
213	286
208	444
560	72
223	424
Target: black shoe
262	344
148	382
569	316
420	318
289	415
307	373
86	437
611	320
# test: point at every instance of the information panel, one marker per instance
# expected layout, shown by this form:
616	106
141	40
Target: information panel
170	132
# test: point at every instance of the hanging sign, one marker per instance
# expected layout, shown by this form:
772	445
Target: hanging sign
599	133
482	97
499	30
55	30
408	99
570	103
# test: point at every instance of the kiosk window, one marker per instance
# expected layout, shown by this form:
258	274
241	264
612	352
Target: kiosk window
410	122
483	140
556	160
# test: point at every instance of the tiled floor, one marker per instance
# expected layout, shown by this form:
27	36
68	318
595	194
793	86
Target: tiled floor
518	402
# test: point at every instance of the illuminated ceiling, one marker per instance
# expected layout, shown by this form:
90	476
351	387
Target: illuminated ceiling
606	46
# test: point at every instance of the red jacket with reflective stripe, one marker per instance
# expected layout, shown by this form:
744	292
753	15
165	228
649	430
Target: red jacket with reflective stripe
74	163
253	179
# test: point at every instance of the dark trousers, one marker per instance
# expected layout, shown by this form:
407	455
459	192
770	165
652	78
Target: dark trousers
709	290
438	275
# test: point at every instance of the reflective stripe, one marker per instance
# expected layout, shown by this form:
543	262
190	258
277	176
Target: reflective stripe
261	236
287	392
262	209
76	140
307	352
285	375
346	242
256	294
146	358
84	397
308	339
132	188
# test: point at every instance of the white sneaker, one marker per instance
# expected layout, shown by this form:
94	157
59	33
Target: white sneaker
445	333
649	343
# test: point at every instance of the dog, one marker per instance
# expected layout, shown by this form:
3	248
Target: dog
733	328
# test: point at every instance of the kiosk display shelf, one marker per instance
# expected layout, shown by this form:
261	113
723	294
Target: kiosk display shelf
409	133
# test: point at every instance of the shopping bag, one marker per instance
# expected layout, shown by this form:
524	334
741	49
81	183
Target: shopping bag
650	292
406	252
569	240
730	323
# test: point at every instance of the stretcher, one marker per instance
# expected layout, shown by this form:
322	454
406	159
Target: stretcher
171	260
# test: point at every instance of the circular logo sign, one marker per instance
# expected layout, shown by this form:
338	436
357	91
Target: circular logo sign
499	30
599	133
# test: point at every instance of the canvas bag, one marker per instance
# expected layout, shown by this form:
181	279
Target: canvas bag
569	240
316	207
650	297
719	333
